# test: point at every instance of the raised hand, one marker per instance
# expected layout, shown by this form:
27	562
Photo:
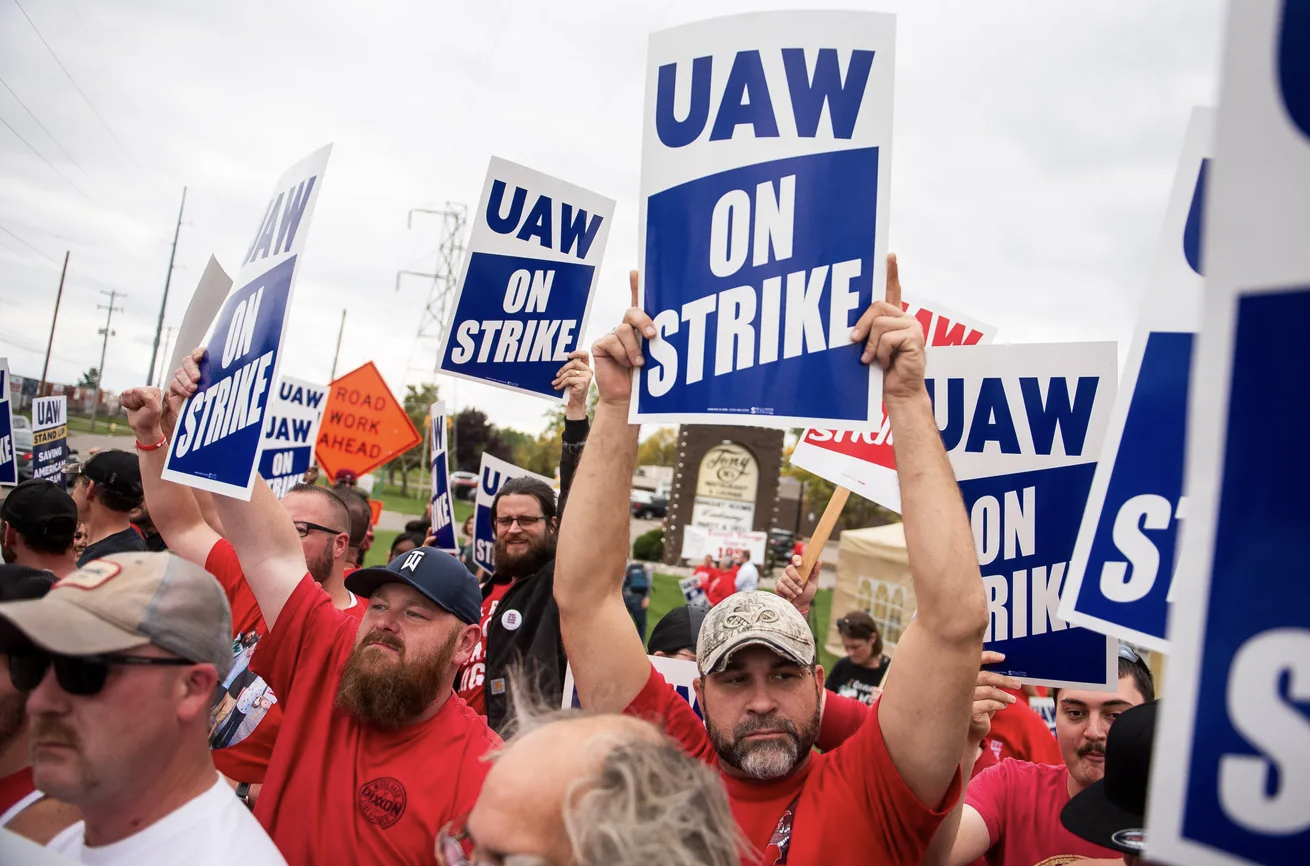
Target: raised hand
618	352
789	586
575	378
988	699
144	413
894	338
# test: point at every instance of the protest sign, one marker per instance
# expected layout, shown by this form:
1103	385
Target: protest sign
679	673
492	476
699	542
8	456
290	431
443	504
1122	567
49	438
375	511
864	462
1023	425
692	592
765	169
364	425
1230	772
208	297
219	430
525	292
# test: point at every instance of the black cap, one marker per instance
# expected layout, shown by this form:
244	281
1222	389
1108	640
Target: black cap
435	573
119	471
43	513
1111	813
677	630
22	582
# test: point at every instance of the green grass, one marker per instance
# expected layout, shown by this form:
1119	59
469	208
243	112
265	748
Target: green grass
377	554
115	426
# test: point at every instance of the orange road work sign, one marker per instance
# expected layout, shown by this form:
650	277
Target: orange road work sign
363	425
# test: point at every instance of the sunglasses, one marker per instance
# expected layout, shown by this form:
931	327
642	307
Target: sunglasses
78	675
454	842
1129	654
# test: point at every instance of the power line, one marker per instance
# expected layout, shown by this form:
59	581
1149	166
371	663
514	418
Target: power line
80	93
48	133
50	259
47	162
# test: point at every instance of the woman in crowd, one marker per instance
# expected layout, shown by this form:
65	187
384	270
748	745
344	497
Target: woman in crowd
859	675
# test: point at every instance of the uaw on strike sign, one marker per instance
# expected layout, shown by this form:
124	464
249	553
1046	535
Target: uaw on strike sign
1121	576
220	428
290	431
763	217
363	424
864	461
525	292
1230	773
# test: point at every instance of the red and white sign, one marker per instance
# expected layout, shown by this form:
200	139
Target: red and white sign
863	461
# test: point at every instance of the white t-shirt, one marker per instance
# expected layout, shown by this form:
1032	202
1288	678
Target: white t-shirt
748	577
214	829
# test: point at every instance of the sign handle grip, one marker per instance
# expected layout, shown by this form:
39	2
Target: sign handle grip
821	532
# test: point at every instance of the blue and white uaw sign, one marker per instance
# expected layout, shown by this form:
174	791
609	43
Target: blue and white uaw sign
1023	425
492	475
8	455
49	438
219	434
678	673
1230	775
766	157
290	431
443	505
525	292
1121	574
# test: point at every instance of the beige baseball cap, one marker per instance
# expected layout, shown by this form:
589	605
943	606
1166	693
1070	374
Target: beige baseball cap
753	619
124	601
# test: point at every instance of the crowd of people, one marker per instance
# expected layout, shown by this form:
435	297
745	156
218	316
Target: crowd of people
220	681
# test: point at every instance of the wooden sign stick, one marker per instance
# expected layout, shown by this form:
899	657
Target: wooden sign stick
821	532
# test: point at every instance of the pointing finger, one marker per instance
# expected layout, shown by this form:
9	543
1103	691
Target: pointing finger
893	282
632	283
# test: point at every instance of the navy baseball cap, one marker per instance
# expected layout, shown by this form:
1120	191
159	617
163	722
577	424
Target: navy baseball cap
435	573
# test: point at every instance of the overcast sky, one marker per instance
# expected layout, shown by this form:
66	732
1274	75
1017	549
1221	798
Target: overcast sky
1035	142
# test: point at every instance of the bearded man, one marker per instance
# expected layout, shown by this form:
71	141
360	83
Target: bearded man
378	753
519	618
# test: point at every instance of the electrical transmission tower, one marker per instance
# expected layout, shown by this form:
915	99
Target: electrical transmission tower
436	312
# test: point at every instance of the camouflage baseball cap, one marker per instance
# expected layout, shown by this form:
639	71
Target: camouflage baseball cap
124	601
753	619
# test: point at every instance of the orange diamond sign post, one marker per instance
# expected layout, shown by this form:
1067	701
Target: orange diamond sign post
364	425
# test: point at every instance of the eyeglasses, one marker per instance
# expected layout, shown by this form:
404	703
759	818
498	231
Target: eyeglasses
77	675
304	527
454	842
523	522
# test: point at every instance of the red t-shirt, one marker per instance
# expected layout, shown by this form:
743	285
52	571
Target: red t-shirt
1020	732
469	681
722	585
247	715
705	575
339	791
1021	803
851	805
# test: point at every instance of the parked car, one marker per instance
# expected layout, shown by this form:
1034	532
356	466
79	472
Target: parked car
464	485
21	423
781	542
647	505
23	448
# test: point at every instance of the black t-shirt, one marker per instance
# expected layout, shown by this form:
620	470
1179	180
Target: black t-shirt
852	681
127	541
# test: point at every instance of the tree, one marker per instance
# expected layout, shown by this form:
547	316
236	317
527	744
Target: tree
659	448
418	401
473	435
90	379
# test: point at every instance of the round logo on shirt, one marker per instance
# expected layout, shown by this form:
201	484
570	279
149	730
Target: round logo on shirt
382	801
1134	839
511	620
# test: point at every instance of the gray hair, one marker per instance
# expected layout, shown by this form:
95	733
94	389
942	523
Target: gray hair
650	802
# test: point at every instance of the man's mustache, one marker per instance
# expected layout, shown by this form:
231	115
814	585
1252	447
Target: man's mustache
765	723
47	732
383	638
1098	748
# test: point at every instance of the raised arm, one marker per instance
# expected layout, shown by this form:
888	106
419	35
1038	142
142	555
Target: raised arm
609	662
576	377
260	530
926	701
172	507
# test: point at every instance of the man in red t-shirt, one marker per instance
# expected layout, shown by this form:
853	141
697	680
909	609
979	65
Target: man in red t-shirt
377	752
1011	811
877	798
1018	731
247	715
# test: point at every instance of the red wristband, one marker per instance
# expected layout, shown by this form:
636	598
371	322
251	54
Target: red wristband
163	440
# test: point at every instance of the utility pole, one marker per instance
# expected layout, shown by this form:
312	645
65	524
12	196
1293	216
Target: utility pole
337	355
159	326
109	318
45	368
